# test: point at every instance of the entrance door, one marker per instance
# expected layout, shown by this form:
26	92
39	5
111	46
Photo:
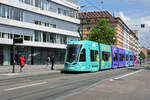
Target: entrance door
6	55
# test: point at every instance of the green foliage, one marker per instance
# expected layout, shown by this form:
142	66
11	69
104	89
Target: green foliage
103	33
142	55
148	57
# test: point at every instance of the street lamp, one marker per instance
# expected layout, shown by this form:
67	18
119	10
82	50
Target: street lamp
80	32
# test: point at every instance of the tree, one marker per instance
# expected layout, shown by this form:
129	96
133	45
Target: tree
142	55
103	33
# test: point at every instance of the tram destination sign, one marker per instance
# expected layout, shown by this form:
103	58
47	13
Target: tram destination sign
18	40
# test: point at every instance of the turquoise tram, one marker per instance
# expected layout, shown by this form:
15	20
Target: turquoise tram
83	56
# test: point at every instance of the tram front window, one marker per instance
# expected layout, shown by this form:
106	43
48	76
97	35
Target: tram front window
73	53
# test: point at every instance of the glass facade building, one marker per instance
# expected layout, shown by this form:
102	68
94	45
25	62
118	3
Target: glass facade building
45	26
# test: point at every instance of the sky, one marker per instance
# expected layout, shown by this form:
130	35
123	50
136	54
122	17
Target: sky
132	12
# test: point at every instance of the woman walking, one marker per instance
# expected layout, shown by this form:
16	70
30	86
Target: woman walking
22	63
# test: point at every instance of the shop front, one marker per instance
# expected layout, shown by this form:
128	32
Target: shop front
33	55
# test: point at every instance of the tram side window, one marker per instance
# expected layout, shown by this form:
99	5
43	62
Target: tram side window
121	57
83	56
131	58
134	58
93	55
105	56
127	58
115	57
96	55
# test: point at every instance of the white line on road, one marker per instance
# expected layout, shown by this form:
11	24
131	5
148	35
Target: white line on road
128	74
24	86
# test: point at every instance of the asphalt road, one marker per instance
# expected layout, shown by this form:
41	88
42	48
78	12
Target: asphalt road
54	86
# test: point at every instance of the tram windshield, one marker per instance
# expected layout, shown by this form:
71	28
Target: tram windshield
73	53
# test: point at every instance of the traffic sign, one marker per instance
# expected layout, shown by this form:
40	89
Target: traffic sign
18	40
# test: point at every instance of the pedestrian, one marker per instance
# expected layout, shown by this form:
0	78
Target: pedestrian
140	61
22	63
52	62
48	61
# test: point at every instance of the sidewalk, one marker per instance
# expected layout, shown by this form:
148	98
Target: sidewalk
29	70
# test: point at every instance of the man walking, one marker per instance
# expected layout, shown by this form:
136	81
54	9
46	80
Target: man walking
52	62
22	63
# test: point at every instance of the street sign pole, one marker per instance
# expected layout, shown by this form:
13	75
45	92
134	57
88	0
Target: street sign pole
13	70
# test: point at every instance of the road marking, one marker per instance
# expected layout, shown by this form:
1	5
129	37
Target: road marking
128	74
24	86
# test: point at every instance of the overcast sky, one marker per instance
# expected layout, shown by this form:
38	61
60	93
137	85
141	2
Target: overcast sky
133	12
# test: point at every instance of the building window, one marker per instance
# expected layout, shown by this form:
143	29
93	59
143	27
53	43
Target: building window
53	38
45	24
11	13
59	10
5	35
17	36
27	1
44	37
88	28
58	38
28	38
37	35
38	3
16	14
38	22
65	12
4	12
88	21
87	35
0	34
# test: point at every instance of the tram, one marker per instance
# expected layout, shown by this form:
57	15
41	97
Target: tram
89	56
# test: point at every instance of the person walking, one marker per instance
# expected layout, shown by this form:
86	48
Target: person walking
140	61
52	62
22	63
48	61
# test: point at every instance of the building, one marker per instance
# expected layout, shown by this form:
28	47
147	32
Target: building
137	42
89	20
45	25
126	38
145	51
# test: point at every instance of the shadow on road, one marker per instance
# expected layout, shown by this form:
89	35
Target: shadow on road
69	72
